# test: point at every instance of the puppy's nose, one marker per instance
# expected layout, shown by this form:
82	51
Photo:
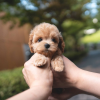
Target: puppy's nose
47	46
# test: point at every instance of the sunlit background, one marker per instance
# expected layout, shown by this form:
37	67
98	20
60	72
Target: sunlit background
77	20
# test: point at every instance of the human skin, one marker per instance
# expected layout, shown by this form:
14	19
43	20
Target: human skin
65	94
39	80
76	81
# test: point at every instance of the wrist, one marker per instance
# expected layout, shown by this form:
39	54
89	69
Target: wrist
40	92
42	85
80	79
41	88
77	78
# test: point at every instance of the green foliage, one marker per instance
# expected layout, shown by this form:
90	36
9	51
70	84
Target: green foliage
11	83
72	26
73	31
75	56
13	2
92	38
51	11
44	10
97	25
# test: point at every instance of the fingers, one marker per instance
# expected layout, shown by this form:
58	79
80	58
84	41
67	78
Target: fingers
52	98
31	61
66	60
36	56
25	76
28	64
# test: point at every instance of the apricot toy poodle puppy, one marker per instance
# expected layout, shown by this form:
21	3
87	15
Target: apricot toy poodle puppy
46	40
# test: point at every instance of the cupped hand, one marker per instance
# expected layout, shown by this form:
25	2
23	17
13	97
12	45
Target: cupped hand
66	94
36	76
65	81
69	77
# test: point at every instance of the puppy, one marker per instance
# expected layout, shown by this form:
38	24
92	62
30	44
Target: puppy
46	40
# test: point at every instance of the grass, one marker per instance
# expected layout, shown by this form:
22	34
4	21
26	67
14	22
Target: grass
11	83
14	72
93	38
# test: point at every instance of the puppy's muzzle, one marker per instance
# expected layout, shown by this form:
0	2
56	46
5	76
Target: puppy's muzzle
47	45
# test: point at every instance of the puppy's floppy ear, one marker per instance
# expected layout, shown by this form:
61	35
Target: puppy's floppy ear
30	42
61	44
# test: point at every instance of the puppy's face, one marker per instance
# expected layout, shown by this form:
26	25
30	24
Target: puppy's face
45	39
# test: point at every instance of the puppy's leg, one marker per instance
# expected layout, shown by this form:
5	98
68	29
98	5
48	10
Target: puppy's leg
57	63
40	60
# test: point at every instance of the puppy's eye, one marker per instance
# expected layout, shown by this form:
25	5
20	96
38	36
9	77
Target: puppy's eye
40	39
54	40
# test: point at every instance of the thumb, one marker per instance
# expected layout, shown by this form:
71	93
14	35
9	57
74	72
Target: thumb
36	56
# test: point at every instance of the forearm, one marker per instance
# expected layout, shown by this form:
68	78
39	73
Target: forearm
89	82
33	94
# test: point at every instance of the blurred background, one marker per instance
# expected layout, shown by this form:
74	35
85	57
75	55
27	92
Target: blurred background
77	20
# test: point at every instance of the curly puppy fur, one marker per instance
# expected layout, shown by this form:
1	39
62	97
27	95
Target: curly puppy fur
46	40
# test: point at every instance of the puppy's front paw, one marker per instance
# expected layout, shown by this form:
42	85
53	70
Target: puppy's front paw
57	64
40	61
59	68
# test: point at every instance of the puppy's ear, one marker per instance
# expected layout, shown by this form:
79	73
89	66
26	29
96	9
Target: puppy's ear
30	42
61	44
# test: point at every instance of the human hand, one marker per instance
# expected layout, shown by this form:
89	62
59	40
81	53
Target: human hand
72	76
36	76
69	77
66	94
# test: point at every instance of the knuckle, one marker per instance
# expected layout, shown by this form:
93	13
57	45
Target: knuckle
23	70
26	64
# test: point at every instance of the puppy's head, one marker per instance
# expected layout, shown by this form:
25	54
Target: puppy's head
46	39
